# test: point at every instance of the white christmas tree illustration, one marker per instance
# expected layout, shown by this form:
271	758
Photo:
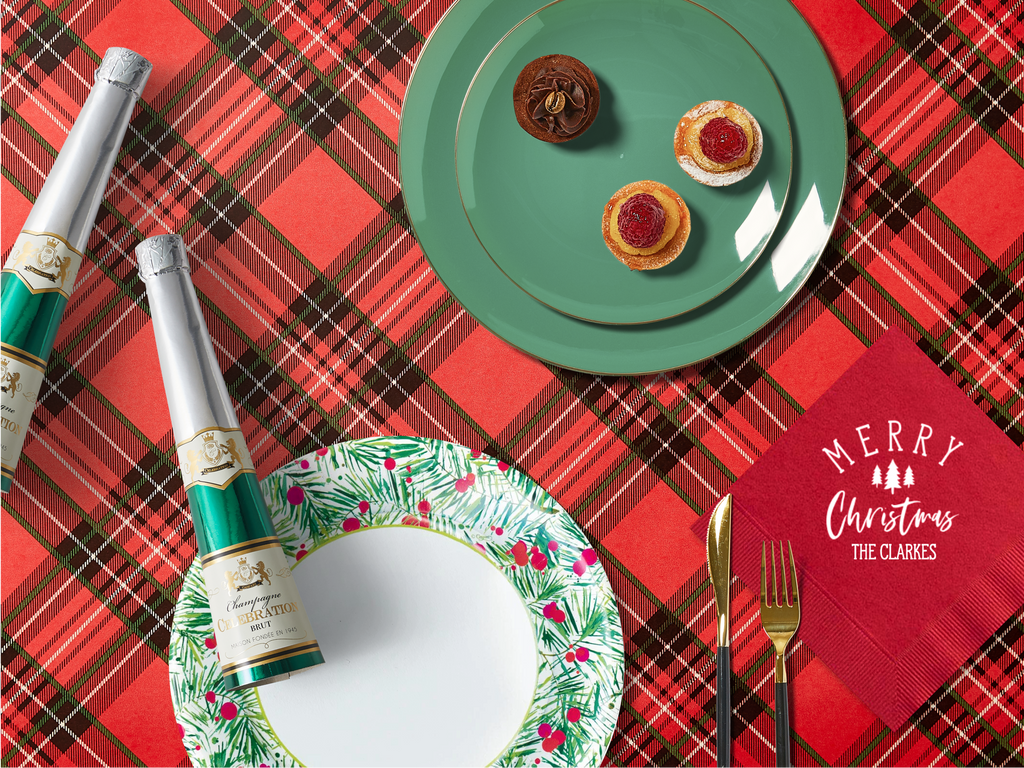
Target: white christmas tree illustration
876	476
908	478
892	477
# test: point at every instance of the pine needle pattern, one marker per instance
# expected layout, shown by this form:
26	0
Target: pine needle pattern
504	515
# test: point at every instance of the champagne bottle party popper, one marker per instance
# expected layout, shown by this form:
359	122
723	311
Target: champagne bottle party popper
262	631
44	260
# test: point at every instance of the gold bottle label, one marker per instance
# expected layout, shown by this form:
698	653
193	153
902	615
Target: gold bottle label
44	262
21	380
214	457
258	616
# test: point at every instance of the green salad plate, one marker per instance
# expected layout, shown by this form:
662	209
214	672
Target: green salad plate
442	76
536	206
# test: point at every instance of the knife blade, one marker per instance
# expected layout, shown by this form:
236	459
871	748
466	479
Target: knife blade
719	562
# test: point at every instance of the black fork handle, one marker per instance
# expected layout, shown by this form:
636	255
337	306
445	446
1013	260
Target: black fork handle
723	714
781	725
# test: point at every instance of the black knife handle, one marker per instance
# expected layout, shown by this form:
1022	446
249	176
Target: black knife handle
723	717
781	726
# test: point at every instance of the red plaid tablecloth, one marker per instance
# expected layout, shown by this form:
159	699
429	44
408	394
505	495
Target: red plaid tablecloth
257	116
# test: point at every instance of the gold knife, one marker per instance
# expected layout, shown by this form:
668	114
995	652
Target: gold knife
719	555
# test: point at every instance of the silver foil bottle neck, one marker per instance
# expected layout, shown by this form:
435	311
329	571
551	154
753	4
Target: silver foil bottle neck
160	254
73	191
125	69
197	397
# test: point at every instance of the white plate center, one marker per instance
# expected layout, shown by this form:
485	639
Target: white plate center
431	656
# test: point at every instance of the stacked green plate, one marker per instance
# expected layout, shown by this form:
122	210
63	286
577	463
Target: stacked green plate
724	296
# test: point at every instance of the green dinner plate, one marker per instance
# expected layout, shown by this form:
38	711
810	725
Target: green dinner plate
536	207
455	50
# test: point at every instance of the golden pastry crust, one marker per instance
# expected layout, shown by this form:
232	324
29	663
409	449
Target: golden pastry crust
661	254
700	167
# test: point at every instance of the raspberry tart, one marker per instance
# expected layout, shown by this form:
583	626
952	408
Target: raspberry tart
556	98
718	143
645	225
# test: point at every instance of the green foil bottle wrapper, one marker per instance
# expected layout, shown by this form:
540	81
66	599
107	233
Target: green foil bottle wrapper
44	260
262	630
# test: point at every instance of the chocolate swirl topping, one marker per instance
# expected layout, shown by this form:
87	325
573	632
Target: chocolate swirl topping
559	100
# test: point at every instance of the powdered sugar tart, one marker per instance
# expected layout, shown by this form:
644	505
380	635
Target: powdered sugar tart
393	542
718	143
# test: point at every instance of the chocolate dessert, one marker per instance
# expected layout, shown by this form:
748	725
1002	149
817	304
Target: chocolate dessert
556	98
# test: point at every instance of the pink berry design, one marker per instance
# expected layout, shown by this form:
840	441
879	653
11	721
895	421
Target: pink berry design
475	454
579	567
570	657
304	464
463	484
582	654
211	697
551	611
295	495
518	551
364	507
389	464
228	711
589	556
322	451
544	731
350	524
301	553
423	506
553	546
500	531
539	561
553	742
502	466
573	715
211	642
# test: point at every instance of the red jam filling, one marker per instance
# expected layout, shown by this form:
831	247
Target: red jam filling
641	220
722	141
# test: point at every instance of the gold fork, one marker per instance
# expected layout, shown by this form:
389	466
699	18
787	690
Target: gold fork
780	617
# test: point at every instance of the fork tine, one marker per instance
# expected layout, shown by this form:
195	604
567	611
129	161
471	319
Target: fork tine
783	582
764	578
792	565
775	579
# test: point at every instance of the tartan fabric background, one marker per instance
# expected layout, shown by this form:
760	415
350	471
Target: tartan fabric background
267	138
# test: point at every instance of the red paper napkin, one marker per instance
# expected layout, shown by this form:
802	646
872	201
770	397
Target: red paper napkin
895	605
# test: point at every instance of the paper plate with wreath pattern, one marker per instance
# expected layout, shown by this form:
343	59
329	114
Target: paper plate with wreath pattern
506	517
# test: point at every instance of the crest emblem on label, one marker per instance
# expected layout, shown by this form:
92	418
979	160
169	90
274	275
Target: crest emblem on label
246	576
214	457
44	262
21	376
